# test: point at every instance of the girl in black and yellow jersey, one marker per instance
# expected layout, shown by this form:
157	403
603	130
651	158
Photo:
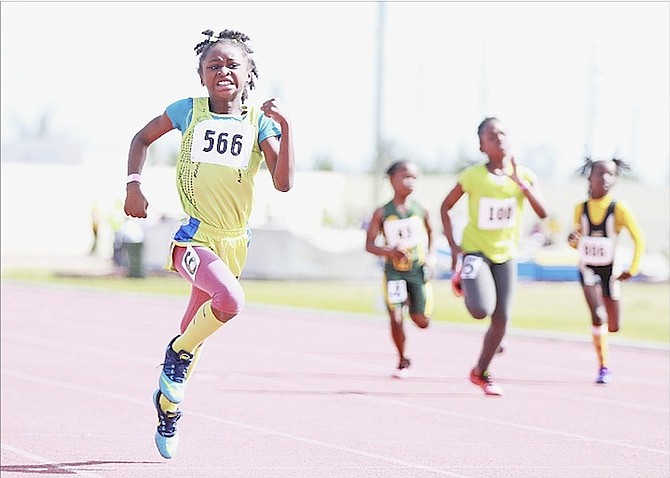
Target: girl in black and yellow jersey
597	224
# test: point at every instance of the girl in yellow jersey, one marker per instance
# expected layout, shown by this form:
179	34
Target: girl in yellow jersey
597	224
496	193
223	144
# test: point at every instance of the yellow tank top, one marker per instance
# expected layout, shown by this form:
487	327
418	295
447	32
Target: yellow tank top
218	161
495	208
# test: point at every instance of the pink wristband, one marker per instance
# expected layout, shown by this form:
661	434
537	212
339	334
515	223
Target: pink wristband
134	177
523	187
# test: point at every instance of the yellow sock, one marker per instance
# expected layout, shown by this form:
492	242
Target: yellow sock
194	361
202	326
167	405
600	342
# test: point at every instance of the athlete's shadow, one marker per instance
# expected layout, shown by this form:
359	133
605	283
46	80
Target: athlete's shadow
67	468
321	384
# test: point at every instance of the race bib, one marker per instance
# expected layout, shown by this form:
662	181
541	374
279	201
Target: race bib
228	143
397	291
190	261
596	251
496	214
404	233
471	266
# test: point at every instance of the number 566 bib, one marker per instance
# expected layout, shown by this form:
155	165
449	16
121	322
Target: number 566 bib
228	143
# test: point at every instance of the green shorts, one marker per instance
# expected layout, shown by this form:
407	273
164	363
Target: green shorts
408	288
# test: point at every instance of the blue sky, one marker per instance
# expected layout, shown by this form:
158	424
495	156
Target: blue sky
562	76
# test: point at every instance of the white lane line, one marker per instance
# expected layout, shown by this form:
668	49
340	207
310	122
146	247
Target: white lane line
357	365
440	411
583	398
89	349
267	431
58	344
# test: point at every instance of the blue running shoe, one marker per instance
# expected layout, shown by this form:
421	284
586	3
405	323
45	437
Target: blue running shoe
604	375
172	381
166	438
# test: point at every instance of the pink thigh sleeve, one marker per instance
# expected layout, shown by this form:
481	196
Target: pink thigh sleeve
211	278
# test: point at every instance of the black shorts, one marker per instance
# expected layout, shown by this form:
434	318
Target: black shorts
594	275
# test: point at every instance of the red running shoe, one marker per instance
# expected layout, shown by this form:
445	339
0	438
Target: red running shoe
485	382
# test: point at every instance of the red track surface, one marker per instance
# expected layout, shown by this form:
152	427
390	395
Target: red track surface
281	393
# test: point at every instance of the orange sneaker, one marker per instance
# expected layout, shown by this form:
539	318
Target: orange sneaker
485	382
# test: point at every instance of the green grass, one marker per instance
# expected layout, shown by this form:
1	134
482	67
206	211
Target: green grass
545	306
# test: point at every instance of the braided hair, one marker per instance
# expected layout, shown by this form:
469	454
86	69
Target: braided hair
586	168
232	37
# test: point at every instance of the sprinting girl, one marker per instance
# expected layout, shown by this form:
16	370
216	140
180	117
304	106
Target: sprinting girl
408	250
223	144
598	221
496	192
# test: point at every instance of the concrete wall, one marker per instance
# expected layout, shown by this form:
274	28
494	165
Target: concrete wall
46	210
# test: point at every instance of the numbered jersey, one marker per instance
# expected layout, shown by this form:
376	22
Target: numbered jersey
406	231
219	157
495	205
598	242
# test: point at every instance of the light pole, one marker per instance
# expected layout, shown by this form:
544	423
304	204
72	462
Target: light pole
378	168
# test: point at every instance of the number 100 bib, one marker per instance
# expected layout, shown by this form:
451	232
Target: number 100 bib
496	214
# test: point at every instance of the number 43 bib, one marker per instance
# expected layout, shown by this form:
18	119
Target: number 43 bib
227	143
